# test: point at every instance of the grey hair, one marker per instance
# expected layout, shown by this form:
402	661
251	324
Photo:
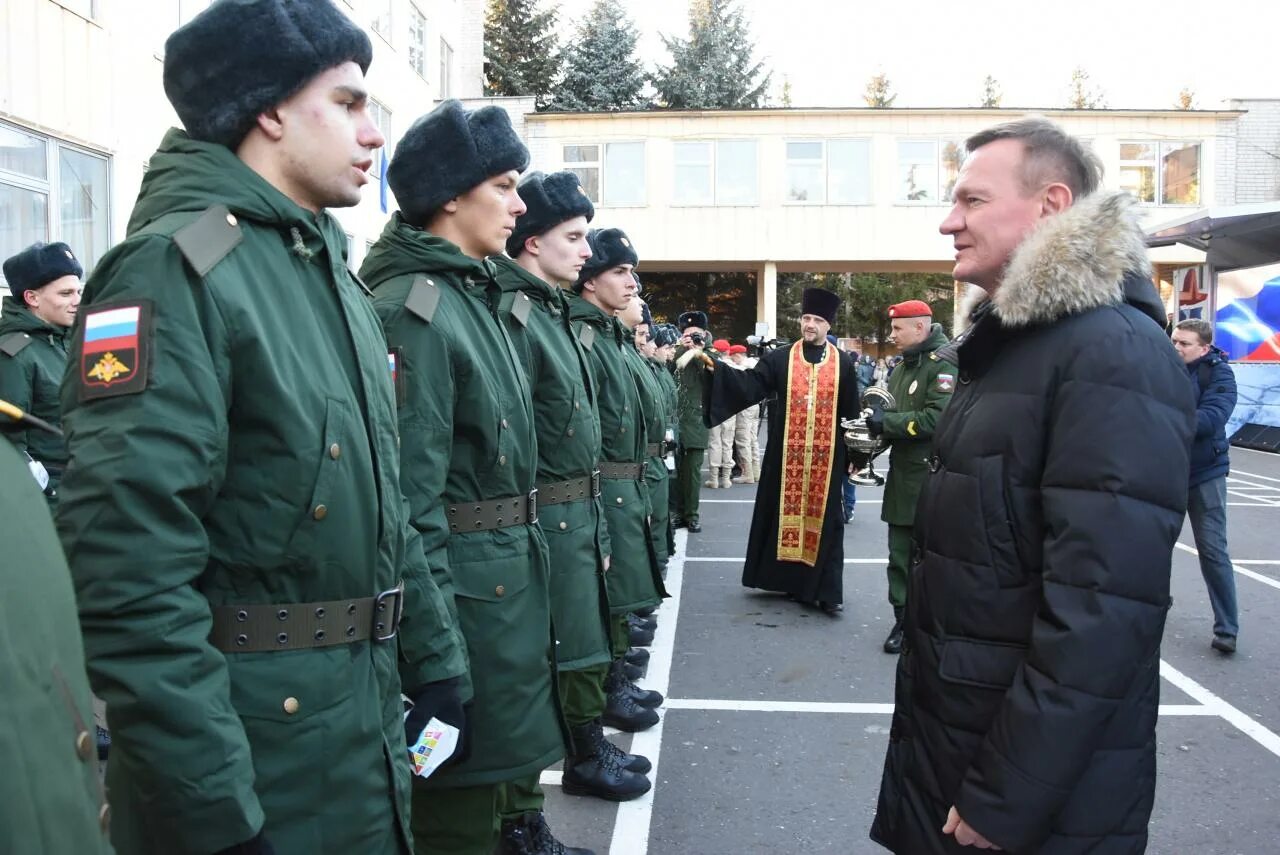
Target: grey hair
1051	154
1203	329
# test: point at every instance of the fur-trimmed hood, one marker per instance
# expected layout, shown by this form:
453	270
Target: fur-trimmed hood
1093	254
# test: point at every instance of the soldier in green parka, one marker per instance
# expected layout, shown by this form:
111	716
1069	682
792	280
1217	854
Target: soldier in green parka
658	419
470	458
665	338
51	800
692	382
605	287
35	324
921	386
252	596
545	254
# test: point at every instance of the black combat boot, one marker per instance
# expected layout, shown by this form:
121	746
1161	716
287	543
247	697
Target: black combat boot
637	637
633	672
634	620
637	656
622	711
616	681
530	835
593	770
631	762
893	644
645	612
693	525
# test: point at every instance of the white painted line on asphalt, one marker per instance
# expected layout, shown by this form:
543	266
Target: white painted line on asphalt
1255	474
1252	505
550	779
631	828
1243	571
1255	561
1270	454
708	704
1259	499
1242	722
1254	484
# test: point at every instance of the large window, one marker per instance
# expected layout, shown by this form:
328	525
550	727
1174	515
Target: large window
1165	173
612	173
382	119
417	41
829	172
722	172
381	22
446	70
52	191
928	169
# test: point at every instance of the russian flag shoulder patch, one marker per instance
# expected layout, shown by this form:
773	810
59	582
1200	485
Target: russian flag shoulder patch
115	349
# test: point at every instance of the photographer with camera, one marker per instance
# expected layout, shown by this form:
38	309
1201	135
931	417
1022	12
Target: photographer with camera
922	385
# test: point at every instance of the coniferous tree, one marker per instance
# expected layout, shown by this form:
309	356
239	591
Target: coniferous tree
786	91
714	68
991	94
879	92
1082	95
601	68
521	54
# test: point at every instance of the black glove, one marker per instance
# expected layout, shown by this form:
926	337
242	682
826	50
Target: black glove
257	846
875	421
441	700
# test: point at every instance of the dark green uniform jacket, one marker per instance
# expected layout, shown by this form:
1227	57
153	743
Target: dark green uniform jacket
634	579
653	403
33	358
50	797
467	435
692	385
257	466
922	386
536	315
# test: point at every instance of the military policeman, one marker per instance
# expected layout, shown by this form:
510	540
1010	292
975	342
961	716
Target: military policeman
692	381
921	385
469	445
35	324
606	286
47	710
252	596
545	253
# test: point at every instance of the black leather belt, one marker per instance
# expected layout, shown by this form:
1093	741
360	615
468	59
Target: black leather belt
615	471
653	449
300	626
573	490
498	513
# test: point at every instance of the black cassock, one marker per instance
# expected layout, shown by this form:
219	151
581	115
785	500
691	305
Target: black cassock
732	391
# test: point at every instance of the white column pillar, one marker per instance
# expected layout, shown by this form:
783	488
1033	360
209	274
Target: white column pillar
767	297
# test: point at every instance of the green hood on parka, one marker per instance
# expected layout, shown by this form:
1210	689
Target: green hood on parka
402	249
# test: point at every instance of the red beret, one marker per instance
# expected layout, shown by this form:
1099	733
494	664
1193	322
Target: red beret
911	309
721	344
737	348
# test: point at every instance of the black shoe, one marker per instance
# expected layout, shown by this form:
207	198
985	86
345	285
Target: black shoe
633	672
832	609
1224	643
103	739
616	681
639	637
893	644
677	522
637	656
693	525
634	620
530	835
622	711
594	770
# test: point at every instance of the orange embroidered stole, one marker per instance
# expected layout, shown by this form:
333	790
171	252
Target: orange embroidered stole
808	452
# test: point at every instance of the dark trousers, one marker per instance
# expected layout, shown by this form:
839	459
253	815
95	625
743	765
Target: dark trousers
689	473
899	555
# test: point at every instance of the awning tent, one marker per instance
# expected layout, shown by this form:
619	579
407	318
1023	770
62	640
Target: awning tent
1231	236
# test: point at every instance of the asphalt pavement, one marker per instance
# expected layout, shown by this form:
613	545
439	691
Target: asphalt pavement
774	730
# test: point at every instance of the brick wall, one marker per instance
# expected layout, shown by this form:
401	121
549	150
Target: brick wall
1257	150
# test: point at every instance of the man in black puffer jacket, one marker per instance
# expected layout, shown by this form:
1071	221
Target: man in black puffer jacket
1028	686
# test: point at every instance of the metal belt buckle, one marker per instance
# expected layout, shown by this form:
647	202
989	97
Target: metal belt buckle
532	514
379	606
595	483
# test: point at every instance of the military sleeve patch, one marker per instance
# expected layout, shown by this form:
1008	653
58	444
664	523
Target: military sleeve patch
946	382
115	350
395	361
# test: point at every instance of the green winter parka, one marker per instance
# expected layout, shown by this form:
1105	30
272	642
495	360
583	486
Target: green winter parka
536	315
50	797
921	385
249	458
33	358
634	579
653	402
467	435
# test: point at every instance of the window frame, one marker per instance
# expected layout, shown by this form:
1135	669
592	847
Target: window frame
51	188
713	172
446	69
390	25
825	166
1162	147
942	198
418	44
602	165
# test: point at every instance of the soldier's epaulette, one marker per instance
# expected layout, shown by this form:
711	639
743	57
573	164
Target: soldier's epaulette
423	298
14	343
208	238
518	305
587	336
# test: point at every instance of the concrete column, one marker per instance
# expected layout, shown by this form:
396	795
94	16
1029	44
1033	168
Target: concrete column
767	296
